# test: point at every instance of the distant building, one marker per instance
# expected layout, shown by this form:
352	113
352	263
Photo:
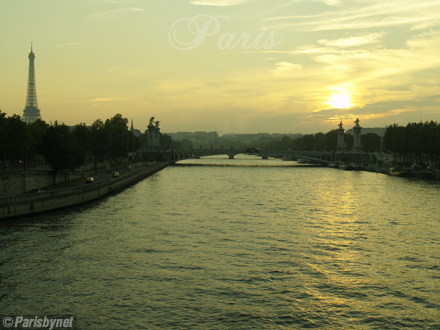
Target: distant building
193	136
135	131
31	112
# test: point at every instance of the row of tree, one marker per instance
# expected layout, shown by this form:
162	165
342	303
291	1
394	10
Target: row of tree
309	142
16	137
322	142
64	148
415	142
111	140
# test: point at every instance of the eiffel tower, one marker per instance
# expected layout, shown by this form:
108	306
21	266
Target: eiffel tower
31	112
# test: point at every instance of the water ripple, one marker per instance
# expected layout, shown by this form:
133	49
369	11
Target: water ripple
234	248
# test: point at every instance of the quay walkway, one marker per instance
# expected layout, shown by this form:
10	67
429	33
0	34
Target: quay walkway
30	204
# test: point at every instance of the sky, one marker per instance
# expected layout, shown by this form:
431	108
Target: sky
231	66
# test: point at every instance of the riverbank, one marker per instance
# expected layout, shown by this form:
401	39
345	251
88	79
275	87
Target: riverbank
17	181
385	169
30	204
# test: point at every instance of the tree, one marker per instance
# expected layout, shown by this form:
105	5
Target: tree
349	140
83	135
16	138
166	141
3	144
177	145
286	143
186	144
331	140
36	132
134	142
99	141
119	136
307	142
415	142
370	142
61	149
320	141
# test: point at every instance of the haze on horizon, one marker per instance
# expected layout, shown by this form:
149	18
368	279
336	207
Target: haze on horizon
243	66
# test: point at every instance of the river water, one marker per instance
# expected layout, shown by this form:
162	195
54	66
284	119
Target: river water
253	246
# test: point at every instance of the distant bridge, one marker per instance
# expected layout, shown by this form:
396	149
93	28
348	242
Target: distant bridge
322	157
198	153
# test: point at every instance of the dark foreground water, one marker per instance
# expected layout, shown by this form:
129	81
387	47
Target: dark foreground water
235	248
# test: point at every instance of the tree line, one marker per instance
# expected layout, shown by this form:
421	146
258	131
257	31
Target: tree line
64	148
414	143
111	140
323	142
308	142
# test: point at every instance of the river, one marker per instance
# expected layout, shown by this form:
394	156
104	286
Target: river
257	245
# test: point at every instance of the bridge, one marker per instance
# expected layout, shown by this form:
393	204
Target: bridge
198	153
321	157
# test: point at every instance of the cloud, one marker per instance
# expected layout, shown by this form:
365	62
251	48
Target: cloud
384	84
420	14
353	41
332	2
69	44
420	53
110	99
219	3
102	99
369	113
122	10
327	2
283	68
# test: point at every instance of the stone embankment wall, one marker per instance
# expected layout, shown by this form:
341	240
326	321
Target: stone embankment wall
29	204
21	182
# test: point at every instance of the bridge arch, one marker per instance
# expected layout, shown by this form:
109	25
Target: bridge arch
197	154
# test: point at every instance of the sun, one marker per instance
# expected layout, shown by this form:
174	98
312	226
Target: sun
340	101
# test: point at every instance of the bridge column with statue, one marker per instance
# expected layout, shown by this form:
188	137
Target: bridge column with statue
357	144
153	137
342	146
152	151
357	154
